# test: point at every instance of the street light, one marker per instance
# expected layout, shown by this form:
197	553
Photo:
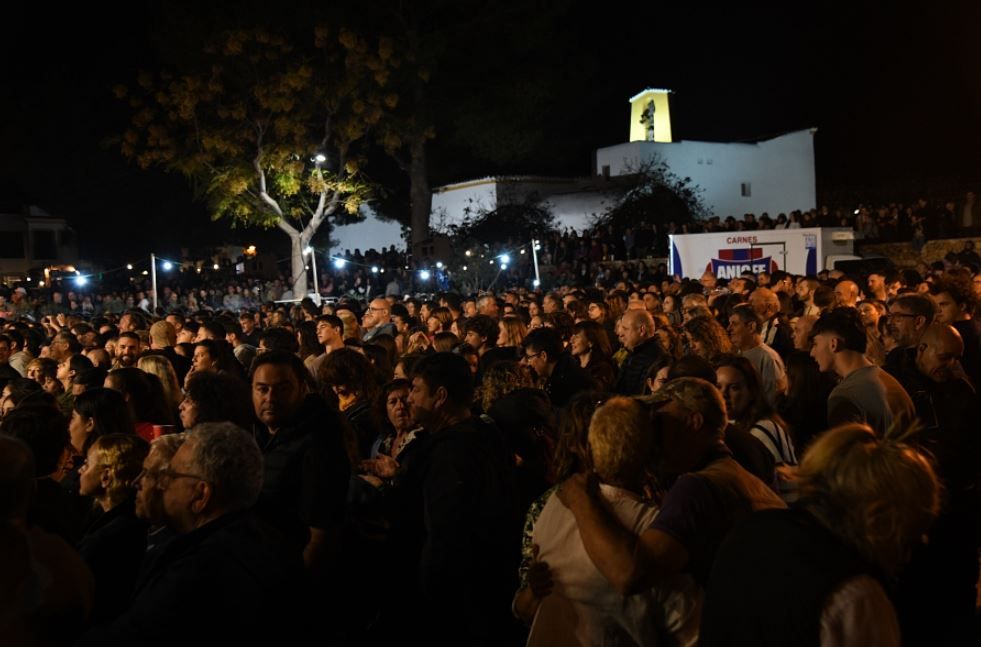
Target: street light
339	263
129	266
316	287
505	259
168	266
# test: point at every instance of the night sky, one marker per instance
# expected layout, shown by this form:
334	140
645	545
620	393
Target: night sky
895	96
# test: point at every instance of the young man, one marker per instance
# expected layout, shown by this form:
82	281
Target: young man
866	393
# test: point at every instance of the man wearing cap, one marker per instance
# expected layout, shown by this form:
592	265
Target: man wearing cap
19	303
710	495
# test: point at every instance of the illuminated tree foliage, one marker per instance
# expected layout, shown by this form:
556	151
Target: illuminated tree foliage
268	132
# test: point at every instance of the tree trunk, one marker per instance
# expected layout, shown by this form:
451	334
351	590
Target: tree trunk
420	196
298	272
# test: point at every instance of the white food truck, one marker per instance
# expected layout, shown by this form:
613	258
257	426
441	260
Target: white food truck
728	254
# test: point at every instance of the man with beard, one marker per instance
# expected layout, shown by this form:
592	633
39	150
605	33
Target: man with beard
128	350
471	518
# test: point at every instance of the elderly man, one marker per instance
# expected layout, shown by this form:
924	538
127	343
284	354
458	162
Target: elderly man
636	333
744	332
940	581
775	331
222	574
377	320
709	496
846	294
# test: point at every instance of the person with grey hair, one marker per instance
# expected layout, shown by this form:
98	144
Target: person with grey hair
224	574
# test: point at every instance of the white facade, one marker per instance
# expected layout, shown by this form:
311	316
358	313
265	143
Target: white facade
575	202
772	176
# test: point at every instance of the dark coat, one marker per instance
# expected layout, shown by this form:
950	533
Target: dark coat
633	372
227	582
113	547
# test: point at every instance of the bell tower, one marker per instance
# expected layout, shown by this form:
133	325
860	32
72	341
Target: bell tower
650	116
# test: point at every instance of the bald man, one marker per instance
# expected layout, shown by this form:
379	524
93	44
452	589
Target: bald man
846	294
636	332
802	332
939	582
774	329
377	320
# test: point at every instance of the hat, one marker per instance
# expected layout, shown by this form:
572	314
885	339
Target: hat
694	394
22	291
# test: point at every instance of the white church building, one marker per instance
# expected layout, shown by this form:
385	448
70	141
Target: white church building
774	175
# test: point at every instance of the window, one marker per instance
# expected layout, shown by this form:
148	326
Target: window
44	245
747	190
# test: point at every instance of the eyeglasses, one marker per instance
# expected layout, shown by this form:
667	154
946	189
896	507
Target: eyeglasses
900	314
165	476
532	356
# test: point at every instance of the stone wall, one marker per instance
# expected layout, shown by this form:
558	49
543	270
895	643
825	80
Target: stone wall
903	255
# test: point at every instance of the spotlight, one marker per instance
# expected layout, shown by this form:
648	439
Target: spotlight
536	283
40	284
374	269
439	265
129	266
504	266
29	279
80	280
522	251
505	259
464	268
339	263
216	266
424	275
467	253
168	266
145	272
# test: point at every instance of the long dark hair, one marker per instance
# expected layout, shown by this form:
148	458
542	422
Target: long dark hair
759	407
145	394
108	410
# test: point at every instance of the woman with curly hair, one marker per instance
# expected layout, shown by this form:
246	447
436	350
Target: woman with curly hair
707	338
113	545
500	379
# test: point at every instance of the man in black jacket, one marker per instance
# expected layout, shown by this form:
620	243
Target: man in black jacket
563	376
637	336
472	521
306	467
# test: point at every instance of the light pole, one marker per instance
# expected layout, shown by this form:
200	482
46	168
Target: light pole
534	257
153	279
313	263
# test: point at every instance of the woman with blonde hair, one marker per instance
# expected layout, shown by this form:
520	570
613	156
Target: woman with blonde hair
352	330
161	367
815	574
114	543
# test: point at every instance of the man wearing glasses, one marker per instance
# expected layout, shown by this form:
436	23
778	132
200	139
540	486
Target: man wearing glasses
378	320
222	574
908	318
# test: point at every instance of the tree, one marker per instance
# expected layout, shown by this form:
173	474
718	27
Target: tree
653	194
484	234
271	133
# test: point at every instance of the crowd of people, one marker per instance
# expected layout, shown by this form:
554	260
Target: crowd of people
680	462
